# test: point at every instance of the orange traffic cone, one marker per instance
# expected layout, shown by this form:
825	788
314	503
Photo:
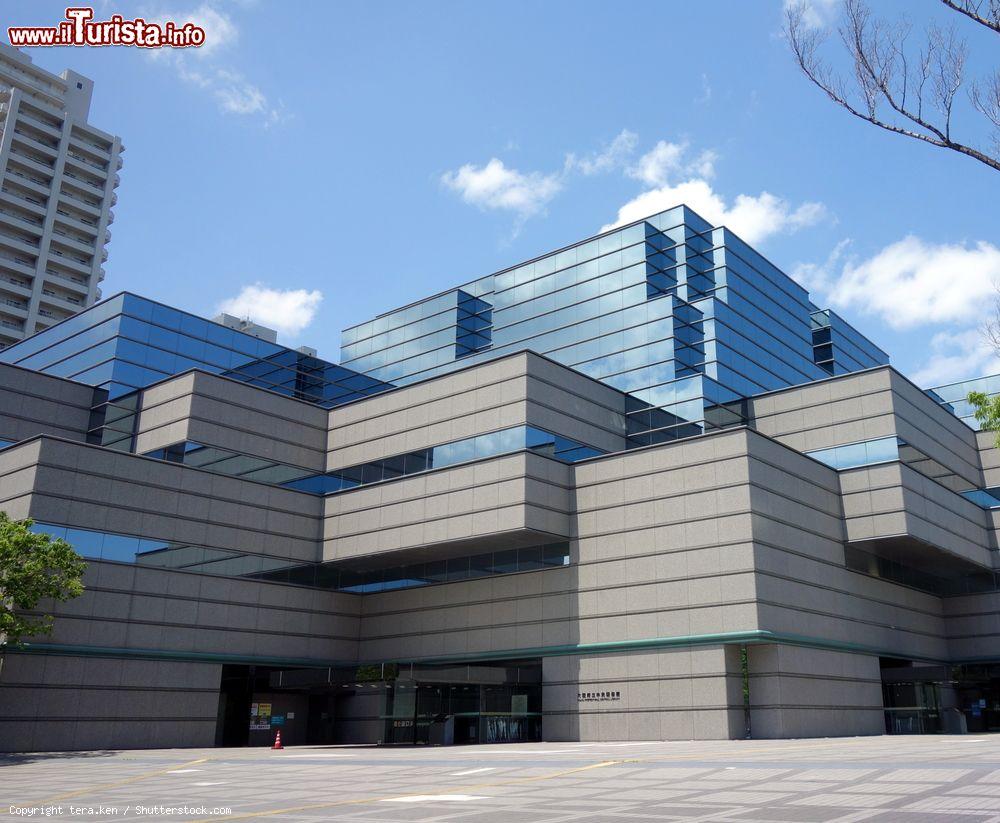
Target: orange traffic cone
277	741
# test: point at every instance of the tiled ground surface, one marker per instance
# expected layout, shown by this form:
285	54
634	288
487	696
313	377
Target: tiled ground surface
906	779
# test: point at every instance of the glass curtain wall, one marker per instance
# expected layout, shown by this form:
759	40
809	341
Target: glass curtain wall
682	316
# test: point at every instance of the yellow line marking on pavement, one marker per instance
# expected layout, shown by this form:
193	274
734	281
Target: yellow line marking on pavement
115	785
725	755
360	801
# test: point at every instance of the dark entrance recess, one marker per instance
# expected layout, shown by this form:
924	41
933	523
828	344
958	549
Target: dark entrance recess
388	704
940	699
235	697
476	712
301	716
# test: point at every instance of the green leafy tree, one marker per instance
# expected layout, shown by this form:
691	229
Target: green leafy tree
987	412
33	567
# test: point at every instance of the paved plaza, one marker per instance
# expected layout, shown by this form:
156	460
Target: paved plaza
913	779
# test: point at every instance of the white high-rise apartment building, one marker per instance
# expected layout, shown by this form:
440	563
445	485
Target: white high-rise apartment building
59	175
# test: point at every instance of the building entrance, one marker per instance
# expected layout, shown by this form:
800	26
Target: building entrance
462	713
943	699
387	704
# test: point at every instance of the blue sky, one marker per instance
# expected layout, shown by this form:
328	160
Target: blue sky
375	153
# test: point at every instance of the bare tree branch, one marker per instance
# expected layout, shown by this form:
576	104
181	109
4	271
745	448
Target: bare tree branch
912	97
988	14
991	328
985	96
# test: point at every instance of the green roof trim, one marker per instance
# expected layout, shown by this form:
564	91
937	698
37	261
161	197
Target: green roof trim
754	637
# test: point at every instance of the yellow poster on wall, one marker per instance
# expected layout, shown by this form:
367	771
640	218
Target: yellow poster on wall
260	716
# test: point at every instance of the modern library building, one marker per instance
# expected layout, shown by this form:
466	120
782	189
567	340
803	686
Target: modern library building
637	488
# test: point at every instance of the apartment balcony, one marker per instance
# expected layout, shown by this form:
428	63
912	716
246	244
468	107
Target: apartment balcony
11	324
49	92
30	162
22	200
94	151
50	315
81	203
65	301
35	184
16	286
46	318
12	262
12	306
37	141
37	123
35	105
37	151
85	184
65	280
74	243
119	163
104	255
107	235
82	162
71	261
19	243
89	143
75	221
21	221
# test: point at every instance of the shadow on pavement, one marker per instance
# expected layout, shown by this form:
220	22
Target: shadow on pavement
20	758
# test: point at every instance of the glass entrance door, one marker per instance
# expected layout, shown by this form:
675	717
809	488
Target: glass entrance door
507	713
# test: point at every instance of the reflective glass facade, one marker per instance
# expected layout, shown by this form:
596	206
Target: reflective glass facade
887	449
128	342
859	454
684	317
124	548
517	438
839	348
953	396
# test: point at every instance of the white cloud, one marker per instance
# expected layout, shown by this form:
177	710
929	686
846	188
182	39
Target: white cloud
235	94
913	284
704	164
818	278
221	31
494	186
753	218
706	91
498	187
957	356
609	158
665	160
287	310
201	67
910	283
816	14
656	164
